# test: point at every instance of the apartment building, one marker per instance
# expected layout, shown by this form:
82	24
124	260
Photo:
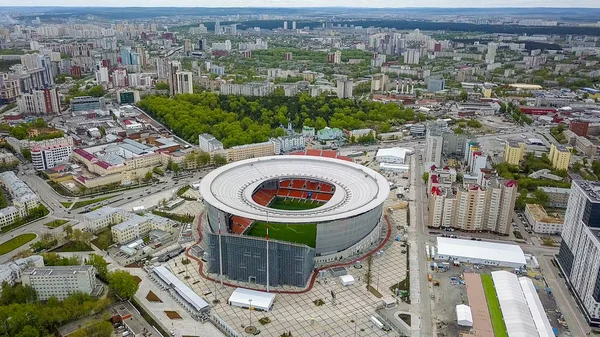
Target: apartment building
172	68
433	147
247	89
9	89
560	156
557	197
185	84
473	207
344	88
44	101
60	281
514	152
579	254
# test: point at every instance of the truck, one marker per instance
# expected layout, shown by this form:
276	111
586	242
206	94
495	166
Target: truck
376	322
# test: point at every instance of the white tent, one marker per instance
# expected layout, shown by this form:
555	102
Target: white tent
464	317
347	280
245	297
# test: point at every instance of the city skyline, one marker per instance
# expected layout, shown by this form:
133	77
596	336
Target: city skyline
317	4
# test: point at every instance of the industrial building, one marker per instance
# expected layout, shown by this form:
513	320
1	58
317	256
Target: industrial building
480	252
394	155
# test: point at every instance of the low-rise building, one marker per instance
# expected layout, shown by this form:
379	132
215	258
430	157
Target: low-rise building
85	103
330	134
22	197
126	226
557	197
308	131
241	152
541	222
394	155
60	281
586	146
48	157
291	143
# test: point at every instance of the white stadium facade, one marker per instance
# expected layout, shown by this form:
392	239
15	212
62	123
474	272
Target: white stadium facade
333	210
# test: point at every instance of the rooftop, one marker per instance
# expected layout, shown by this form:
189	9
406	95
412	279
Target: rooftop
482	250
57	270
540	215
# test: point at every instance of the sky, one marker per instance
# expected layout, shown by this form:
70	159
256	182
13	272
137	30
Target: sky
307	3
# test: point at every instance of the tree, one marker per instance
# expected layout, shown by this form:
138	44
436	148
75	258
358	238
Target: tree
29	331
219	160
102	130
97	91
17	294
176	168
100	264
463	96
26	154
202	159
86	237
77	235
161	86
68	229
100	329
425	177
148	176
123	283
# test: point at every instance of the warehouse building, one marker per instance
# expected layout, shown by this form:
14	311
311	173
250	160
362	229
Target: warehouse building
480	252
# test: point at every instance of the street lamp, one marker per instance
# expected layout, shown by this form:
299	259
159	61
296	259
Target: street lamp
250	301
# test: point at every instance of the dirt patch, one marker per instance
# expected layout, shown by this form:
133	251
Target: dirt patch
137	279
151	297
133	265
172	314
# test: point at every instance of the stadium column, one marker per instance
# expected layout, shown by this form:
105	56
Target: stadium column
220	254
267	237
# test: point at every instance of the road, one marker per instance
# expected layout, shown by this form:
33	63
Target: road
419	224
53	200
565	301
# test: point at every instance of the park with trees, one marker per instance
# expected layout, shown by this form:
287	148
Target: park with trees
238	120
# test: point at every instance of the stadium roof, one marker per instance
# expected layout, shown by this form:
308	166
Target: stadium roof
358	189
491	251
513	305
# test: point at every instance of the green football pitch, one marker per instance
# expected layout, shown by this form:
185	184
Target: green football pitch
303	234
493	306
294	204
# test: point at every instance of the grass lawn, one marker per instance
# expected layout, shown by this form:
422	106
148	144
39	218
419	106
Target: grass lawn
56	223
16	242
493	306
84	203
66	204
294	204
303	234
73	246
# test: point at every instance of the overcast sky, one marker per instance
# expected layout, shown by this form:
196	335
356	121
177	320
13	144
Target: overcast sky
306	3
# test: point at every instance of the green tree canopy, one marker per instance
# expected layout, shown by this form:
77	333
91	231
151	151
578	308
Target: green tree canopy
123	283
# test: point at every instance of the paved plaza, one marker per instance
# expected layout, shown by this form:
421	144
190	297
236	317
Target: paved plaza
349	315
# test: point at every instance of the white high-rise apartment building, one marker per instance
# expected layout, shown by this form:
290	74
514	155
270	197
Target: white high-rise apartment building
433	148
184	82
208	143
285	25
102	75
344	88
294	25
491	52
579	255
337	57
412	56
40	102
60	281
172	69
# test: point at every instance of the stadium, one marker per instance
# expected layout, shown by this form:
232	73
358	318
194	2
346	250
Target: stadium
318	210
